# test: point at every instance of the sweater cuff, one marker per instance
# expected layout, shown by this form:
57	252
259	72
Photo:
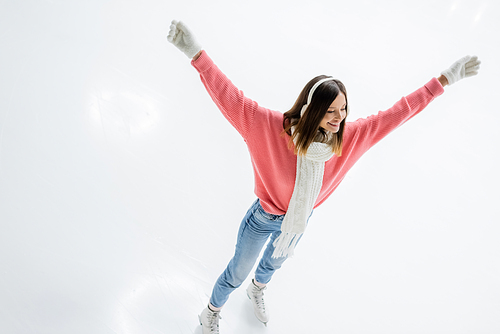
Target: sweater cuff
434	87
203	62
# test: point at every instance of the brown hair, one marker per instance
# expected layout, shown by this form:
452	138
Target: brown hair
307	128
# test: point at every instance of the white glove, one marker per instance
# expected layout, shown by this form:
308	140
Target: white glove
463	68
180	36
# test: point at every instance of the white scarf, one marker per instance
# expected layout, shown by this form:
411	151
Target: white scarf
308	182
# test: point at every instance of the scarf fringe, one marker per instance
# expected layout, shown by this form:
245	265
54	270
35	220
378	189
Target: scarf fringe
285	244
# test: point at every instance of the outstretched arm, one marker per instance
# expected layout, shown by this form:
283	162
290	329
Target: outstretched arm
234	105
372	129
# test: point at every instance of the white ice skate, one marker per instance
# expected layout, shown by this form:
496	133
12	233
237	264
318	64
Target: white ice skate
256	295
209	321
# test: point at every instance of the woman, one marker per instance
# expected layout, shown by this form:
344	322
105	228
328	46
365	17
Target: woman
299	158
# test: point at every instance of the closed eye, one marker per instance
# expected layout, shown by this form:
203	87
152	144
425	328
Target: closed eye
332	111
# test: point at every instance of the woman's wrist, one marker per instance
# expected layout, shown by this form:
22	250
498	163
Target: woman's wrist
442	79
196	56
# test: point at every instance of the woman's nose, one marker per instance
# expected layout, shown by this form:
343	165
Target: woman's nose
336	115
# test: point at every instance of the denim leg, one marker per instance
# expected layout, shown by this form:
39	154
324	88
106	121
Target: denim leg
252	235
268	265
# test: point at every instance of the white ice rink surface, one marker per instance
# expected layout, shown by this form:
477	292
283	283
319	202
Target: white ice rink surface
122	186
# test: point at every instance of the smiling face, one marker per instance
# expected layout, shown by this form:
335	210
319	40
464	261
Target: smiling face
335	115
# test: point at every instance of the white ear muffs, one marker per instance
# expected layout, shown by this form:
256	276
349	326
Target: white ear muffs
303	110
311	92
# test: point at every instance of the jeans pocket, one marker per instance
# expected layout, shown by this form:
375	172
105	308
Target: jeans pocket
267	216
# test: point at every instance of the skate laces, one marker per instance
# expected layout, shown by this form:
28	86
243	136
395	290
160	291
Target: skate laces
213	321
258	296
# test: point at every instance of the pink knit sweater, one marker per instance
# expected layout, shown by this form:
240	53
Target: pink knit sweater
273	163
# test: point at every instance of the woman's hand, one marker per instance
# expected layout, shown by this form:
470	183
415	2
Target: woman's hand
463	68
180	36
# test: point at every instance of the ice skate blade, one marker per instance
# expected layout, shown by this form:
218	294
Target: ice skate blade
199	319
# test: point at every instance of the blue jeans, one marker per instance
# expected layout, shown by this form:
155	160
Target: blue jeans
254	231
